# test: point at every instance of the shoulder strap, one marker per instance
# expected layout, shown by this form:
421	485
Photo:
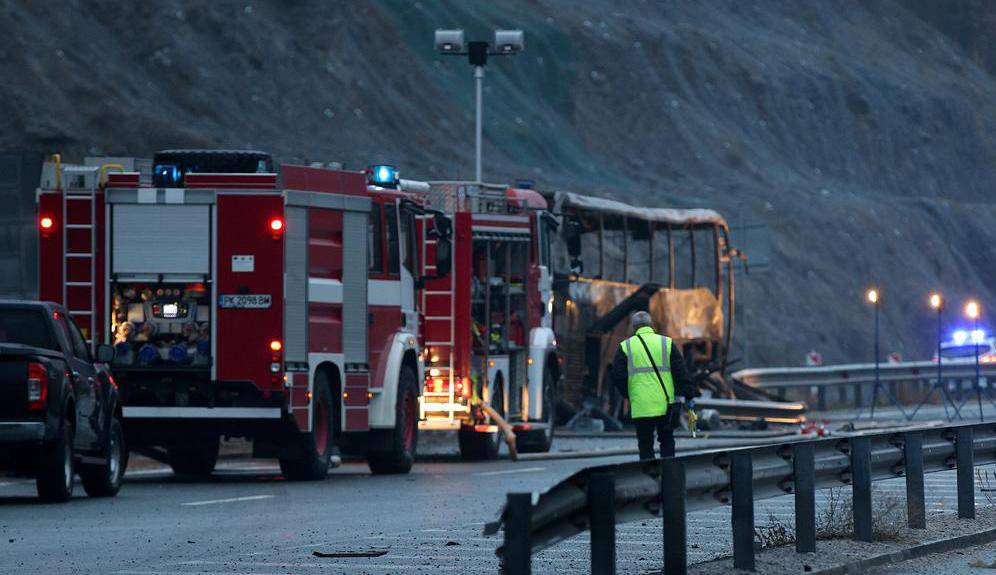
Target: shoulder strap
654	364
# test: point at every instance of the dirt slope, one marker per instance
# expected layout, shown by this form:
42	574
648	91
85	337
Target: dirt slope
861	133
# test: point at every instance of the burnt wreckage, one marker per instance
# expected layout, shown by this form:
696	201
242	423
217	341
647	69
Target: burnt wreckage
611	259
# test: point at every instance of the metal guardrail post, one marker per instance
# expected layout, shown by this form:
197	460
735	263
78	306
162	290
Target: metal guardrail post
673	499
965	459
602	519
821	398
517	549
861	479
742	491
804	475
916	505
859	400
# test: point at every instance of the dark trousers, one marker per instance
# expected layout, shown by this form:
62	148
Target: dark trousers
645	427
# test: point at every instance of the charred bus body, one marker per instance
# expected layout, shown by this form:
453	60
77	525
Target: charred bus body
611	259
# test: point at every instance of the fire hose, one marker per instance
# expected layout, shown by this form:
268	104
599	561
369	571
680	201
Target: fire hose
503	426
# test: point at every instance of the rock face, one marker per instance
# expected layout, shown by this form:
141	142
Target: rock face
860	133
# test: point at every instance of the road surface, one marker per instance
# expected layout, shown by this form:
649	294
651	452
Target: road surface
247	520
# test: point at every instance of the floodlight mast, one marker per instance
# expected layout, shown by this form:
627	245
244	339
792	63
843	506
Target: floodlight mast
506	43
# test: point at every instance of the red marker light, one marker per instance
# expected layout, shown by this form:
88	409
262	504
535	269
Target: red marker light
276	224
46	223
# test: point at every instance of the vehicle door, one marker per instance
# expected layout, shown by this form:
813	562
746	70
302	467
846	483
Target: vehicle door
84	378
408	254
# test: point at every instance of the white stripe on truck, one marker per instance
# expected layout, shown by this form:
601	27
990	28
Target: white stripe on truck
202	412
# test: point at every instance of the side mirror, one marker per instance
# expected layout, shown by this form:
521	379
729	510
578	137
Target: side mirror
572	235
105	353
444	256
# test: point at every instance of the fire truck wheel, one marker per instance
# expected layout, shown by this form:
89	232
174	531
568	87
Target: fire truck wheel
312	464
540	440
55	478
405	438
104	480
482	445
195	456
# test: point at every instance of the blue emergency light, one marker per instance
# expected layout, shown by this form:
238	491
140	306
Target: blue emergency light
382	175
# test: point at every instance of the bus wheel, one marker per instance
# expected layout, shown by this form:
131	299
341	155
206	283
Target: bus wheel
401	456
315	450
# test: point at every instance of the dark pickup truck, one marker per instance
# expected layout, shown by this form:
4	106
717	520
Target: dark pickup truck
59	407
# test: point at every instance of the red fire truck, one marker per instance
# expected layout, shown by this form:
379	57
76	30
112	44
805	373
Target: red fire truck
488	324
242	303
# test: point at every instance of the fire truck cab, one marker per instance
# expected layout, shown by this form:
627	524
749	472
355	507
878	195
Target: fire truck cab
243	303
488	325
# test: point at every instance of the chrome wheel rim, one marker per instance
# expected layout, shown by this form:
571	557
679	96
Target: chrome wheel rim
114	464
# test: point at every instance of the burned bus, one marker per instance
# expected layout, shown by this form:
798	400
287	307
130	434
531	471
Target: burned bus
611	259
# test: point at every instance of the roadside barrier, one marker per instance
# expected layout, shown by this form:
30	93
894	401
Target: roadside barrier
598	498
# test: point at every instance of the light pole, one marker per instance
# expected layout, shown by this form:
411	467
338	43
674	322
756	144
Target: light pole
873	298
506	43
937	303
972	312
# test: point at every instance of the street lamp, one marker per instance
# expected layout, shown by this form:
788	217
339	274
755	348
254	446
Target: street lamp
873	298
505	43
972	313
937	303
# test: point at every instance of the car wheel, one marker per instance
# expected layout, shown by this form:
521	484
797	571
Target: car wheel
404	444
55	478
104	480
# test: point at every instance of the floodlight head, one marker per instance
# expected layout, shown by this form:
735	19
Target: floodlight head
450	41
509	41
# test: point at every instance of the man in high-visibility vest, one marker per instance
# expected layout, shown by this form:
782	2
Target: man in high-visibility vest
650	372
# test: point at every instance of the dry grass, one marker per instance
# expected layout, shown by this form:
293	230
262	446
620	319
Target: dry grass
835	520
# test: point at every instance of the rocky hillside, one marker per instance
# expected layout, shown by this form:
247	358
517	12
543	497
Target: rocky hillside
861	133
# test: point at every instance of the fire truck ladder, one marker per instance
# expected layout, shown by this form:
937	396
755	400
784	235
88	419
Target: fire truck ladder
449	407
79	197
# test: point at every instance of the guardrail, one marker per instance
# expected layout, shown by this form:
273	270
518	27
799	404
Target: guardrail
920	374
599	498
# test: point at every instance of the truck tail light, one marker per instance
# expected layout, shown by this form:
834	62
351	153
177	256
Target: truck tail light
45	226
37	386
276	363
276	227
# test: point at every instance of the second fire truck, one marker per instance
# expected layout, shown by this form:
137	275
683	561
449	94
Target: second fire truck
489	345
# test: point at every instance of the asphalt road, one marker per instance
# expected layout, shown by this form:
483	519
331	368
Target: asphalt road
247	520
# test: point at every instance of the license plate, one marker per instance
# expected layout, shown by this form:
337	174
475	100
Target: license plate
246	301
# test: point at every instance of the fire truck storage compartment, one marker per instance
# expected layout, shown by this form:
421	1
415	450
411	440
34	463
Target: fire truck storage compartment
499	306
160	285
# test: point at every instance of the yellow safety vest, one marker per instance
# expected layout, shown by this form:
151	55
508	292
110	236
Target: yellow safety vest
646	397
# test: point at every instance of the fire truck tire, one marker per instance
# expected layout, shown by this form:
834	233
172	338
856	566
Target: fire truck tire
482	446
104	480
196	456
401	456
55	477
540	440
316	446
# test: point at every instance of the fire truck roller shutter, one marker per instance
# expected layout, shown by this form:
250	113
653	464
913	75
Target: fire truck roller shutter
296	284
161	239
356	416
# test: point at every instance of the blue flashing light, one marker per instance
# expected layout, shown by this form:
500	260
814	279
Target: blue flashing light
959	337
978	336
382	175
168	176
